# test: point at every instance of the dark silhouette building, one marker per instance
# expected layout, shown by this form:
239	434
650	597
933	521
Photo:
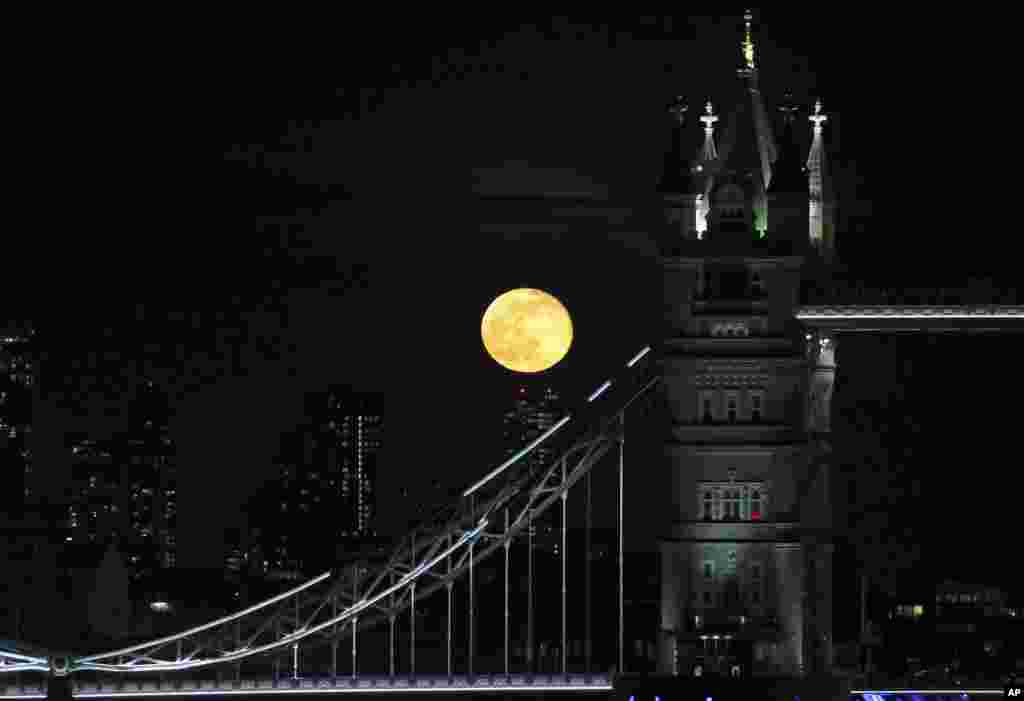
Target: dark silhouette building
127	486
326	485
17	378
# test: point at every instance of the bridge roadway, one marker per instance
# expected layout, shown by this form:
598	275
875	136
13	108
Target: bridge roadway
600	684
549	686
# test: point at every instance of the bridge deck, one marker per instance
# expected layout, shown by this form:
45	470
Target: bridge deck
893	318
497	683
184	687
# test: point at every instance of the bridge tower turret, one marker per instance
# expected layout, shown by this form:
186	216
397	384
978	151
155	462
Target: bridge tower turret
741	575
679	184
821	234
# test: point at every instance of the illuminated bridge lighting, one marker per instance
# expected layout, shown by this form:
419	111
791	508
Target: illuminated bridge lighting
599	391
638	356
362	685
828	313
913	694
547	434
512	460
211	624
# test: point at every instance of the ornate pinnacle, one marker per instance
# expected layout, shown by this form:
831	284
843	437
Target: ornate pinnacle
709	118
748	42
678	109
818	117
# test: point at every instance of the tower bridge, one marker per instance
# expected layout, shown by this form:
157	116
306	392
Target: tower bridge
746	366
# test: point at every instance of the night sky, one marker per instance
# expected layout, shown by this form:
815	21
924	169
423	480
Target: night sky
157	176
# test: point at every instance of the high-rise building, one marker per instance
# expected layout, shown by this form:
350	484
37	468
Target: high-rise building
126	488
746	558
17	377
327	471
534	410
347	440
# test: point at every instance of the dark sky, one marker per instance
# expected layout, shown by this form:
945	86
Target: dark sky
154	173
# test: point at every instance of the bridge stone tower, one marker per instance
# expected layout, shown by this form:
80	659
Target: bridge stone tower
746	560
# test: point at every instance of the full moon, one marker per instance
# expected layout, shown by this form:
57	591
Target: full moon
526	330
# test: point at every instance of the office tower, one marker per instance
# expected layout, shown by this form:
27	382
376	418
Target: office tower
17	377
327	471
125	487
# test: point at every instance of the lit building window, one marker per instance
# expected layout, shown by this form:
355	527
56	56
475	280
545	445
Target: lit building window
731	501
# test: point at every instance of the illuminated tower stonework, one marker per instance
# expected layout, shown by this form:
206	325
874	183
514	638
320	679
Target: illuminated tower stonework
683	183
820	232
746	558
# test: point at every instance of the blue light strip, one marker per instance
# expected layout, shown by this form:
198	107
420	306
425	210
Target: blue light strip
923	692
5	654
342	690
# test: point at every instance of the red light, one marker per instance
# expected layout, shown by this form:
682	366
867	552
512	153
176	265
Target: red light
755	515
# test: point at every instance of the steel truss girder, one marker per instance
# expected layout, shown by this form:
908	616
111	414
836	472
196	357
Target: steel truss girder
16	662
307	612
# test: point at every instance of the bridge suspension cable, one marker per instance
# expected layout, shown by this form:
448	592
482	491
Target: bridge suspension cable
492	512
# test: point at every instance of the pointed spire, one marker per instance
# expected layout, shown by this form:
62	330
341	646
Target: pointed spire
820	221
748	44
817	154
818	117
709	152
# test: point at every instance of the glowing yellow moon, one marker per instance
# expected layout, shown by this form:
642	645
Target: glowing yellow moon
526	330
